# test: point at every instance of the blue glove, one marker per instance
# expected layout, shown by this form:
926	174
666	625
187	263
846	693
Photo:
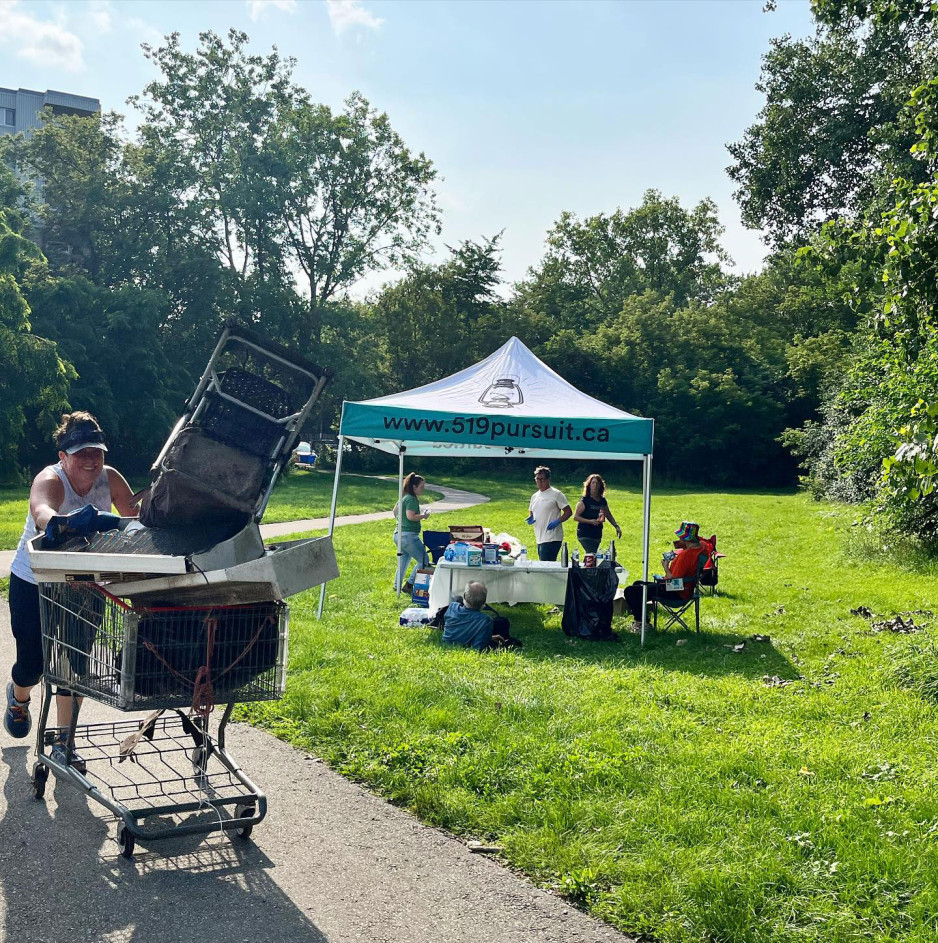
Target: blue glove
530	519
553	524
86	520
107	521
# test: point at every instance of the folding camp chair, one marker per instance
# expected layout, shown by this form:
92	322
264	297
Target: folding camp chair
711	573
675	608
436	541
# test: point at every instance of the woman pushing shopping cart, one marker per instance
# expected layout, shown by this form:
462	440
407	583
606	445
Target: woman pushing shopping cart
174	618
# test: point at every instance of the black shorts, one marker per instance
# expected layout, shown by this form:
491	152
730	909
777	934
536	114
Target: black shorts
27	630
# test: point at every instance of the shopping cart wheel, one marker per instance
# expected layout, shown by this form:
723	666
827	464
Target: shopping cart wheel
40	775
125	841
245	812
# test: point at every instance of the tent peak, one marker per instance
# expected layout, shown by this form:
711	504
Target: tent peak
511	381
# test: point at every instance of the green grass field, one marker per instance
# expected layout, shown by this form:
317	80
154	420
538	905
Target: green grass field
669	790
14	502
785	792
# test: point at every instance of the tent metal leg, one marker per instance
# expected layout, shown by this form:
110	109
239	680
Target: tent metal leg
335	496
400	515
646	527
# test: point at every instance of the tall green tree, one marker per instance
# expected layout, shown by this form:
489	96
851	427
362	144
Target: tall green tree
714	381
891	394
275	184
34	379
84	208
208	133
441	318
124	289
833	131
356	199
593	265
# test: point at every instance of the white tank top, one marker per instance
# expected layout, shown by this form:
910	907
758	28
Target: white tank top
99	496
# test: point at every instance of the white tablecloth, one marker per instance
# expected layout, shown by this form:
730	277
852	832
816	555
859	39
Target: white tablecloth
535	581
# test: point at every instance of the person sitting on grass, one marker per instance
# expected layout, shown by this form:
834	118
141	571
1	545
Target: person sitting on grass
680	564
465	623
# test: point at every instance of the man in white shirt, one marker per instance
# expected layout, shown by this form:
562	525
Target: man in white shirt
547	512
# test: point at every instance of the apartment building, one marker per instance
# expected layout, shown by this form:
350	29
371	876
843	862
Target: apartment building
21	108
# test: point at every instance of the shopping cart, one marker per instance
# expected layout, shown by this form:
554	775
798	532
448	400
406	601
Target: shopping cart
166	774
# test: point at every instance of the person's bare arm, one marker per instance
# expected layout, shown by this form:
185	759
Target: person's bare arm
45	497
612	521
566	514
121	494
578	514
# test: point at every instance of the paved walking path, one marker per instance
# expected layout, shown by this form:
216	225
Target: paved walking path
453	500
331	863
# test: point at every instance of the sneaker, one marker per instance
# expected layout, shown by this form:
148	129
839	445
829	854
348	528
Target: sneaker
68	756
16	718
408	588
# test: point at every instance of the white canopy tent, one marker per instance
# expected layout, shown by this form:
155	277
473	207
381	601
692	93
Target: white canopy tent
508	405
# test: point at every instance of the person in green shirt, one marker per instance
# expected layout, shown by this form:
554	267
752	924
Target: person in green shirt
409	543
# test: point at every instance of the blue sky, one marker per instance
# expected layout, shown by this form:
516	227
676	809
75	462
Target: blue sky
526	108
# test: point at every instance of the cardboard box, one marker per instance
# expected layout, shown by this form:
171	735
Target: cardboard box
421	593
471	533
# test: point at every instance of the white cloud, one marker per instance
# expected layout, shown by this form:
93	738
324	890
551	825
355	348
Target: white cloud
344	14
45	42
144	32
99	13
257	7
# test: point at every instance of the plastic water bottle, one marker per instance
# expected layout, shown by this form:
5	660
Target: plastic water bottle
523	555
576	556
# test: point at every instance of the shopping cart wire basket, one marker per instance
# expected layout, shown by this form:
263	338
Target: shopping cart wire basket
136	658
180	778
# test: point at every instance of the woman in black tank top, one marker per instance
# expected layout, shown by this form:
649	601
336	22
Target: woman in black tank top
592	511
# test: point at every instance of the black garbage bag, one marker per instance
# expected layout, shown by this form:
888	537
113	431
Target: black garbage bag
172	646
587	609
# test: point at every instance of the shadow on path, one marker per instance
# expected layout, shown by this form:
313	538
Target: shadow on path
60	870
